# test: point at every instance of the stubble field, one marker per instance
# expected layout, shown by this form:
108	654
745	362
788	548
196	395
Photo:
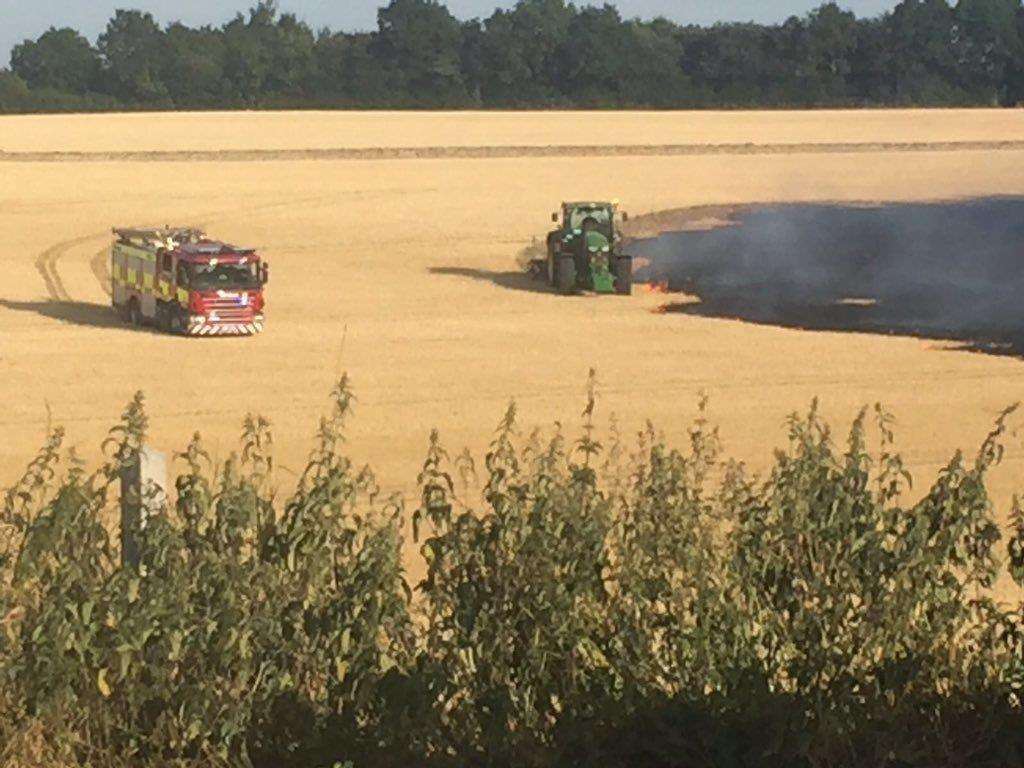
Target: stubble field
403	273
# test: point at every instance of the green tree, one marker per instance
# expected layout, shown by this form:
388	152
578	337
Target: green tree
194	65
293	58
247	63
735	64
988	44
652	73
537	53
14	92
134	48
829	45
505	72
471	58
347	73
519	52
268	55
870	64
592	57
60	59
605	61
923	64
1015	72
419	44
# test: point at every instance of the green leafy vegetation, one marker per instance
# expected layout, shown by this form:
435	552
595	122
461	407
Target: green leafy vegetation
540	53
610	603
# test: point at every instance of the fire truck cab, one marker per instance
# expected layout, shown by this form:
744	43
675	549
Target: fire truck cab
183	282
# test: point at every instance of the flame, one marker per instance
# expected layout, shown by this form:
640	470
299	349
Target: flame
659	287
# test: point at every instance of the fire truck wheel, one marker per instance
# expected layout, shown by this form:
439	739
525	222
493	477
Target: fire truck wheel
164	318
134	313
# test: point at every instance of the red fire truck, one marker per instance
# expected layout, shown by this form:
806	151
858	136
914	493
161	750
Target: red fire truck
183	282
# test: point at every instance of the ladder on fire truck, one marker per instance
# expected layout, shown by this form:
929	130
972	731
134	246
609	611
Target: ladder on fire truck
159	237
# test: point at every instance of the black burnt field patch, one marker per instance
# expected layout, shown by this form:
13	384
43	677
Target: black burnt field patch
939	270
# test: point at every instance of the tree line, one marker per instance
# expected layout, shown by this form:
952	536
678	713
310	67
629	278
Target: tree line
541	53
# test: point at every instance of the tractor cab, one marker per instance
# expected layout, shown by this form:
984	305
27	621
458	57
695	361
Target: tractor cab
590	216
591	219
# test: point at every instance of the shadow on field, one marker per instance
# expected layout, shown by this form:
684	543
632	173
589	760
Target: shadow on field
515	281
74	312
943	271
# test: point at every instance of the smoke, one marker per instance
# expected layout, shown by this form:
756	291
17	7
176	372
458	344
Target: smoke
948	270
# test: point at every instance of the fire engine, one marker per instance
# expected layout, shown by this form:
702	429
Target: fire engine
183	282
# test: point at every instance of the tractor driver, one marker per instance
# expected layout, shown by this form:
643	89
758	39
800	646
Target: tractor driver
595	241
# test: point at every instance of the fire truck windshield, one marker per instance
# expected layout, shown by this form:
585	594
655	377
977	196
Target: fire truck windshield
209	277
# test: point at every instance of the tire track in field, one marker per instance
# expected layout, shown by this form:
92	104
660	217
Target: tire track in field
500	152
98	264
46	265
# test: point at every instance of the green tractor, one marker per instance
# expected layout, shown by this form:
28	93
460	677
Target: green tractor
585	252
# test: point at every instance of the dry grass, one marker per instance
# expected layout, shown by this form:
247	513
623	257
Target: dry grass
404	274
329	130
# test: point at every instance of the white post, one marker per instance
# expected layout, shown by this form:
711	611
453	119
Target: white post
143	493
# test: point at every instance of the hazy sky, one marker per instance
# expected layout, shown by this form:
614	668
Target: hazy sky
20	19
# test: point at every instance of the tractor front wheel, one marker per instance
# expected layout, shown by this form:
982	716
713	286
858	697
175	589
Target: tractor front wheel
565	275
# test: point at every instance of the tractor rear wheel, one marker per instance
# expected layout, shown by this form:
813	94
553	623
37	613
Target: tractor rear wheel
565	275
624	275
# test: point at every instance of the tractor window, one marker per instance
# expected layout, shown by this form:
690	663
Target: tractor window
600	217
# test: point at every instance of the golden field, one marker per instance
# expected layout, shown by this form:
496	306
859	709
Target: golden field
402	272
328	130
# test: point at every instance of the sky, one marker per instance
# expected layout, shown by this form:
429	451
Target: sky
21	19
